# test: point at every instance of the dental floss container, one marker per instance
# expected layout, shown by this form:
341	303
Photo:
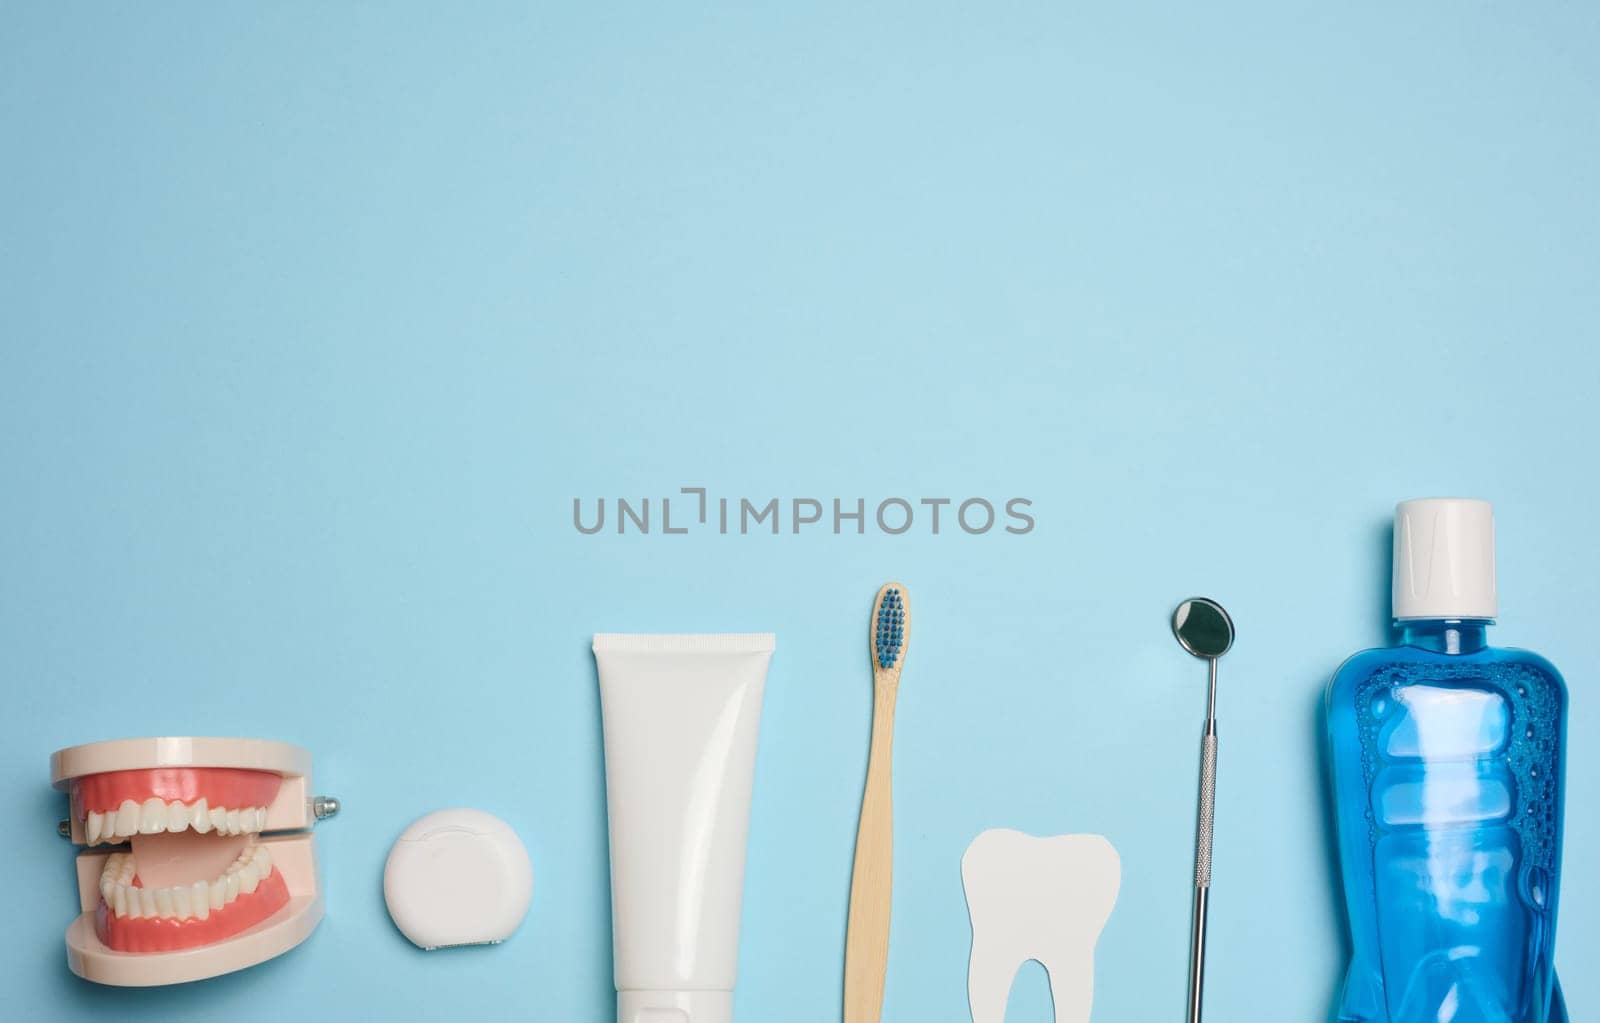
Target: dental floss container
458	877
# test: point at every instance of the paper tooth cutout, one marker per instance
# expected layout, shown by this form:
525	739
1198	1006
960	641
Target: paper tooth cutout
1040	899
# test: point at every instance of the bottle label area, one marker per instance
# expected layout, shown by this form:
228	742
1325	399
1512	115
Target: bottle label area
1461	769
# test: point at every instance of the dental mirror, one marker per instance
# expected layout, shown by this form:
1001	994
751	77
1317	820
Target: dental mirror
1204	629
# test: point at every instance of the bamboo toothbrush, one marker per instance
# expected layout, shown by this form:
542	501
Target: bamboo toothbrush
866	945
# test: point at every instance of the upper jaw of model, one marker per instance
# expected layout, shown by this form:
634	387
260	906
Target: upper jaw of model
1041	899
152	817
195	873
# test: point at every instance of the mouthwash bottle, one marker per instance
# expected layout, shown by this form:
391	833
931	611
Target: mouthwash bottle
1448	781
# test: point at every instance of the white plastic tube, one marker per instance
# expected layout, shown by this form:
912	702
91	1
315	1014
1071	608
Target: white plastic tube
681	716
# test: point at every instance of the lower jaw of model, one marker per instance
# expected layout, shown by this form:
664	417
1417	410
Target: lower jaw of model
1037	899
195	872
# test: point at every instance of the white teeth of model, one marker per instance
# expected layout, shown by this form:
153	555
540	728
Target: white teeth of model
1044	899
119	900
127	818
200	899
154	817
261	818
233	887
180	901
177	816
147	901
163	901
200	816
248	879
247	820
91	827
233	822
219	820
263	861
219	894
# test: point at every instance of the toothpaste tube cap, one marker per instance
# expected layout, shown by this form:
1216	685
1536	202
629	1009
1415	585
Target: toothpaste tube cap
674	1007
1444	559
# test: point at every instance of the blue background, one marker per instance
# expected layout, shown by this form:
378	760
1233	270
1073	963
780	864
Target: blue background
316	318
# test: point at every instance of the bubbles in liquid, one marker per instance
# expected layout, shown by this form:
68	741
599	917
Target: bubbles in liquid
1530	754
1538	886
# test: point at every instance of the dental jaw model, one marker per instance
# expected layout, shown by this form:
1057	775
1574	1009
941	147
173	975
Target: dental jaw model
199	857
1040	899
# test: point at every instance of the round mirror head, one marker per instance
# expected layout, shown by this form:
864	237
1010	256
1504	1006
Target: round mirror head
1203	627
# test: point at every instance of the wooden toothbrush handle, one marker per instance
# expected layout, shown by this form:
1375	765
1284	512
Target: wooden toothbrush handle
866	946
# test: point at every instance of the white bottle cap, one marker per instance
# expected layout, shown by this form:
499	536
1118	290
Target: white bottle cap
1444	559
674	1007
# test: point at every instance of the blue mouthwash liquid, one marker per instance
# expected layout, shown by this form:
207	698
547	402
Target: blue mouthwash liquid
1447	759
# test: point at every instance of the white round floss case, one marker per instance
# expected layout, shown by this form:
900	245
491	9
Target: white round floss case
458	877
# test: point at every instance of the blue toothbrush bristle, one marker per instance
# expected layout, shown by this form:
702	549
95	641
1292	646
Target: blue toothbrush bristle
890	630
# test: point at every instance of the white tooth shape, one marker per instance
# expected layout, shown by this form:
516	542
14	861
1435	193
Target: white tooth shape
219	820
200	816
163	898
261	818
91	827
248	879
119	900
177	816
200	899
147	901
108	875
1041	899
233	822
135	905
263	862
154	817
127	818
219	894
247	820
233	886
181	907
